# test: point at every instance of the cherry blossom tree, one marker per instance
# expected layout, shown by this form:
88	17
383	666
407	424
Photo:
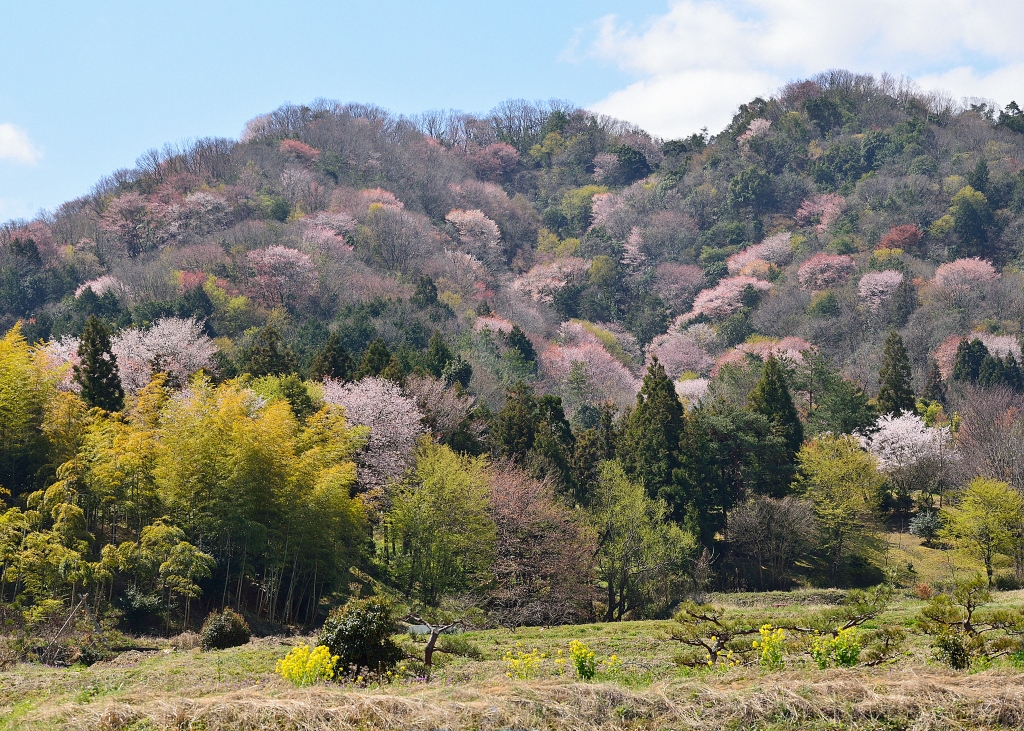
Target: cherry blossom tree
677	284
175	346
875	288
300	150
494	161
493	323
602	206
692	390
543	557
106	283
610	379
789	348
678	353
281	274
823	208
133	225
775	249
913	455
325	240
444	410
478	234
964	275
543	281
997	345
395	424
725	298
756	128
823	271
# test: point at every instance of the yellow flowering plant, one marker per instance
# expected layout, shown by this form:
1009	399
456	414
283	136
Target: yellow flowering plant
772	647
303	667
523	665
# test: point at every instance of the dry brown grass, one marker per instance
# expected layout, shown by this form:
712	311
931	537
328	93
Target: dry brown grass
837	699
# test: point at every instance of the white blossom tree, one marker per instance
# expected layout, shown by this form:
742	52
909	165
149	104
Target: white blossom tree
395	423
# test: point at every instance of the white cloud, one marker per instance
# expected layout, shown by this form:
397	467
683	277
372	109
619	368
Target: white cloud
696	63
15	145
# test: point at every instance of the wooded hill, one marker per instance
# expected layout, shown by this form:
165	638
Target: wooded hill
538	358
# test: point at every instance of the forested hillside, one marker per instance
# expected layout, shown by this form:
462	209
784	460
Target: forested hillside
537	362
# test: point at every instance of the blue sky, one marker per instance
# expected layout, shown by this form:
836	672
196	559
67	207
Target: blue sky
85	88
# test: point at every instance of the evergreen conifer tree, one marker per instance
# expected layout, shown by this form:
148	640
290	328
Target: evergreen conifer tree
332	362
375	360
771	398
438	355
935	389
97	373
649	445
267	355
895	394
517	339
967	363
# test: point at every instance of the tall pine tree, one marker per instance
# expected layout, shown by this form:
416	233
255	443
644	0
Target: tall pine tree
97	372
895	394
771	398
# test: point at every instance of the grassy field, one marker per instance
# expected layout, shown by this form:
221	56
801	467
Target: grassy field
237	689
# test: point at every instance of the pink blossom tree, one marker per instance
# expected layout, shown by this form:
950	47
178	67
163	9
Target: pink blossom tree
478	234
395	424
725	298
301	150
678	353
175	346
692	390
911	453
775	249
824	209
543	281
610	379
133	225
444	411
677	284
106	283
281	274
823	271
965	274
756	128
876	288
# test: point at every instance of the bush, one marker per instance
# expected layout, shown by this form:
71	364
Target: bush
223	630
302	667
359	633
1006	582
925	525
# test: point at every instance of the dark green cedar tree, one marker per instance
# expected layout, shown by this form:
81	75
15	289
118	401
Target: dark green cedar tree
895	393
97	373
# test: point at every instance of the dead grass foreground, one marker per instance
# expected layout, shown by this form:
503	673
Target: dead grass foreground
833	700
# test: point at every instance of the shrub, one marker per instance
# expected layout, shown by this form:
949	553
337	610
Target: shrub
1006	582
924	592
925	525
583	659
303	667
187	640
955	648
359	633
223	630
